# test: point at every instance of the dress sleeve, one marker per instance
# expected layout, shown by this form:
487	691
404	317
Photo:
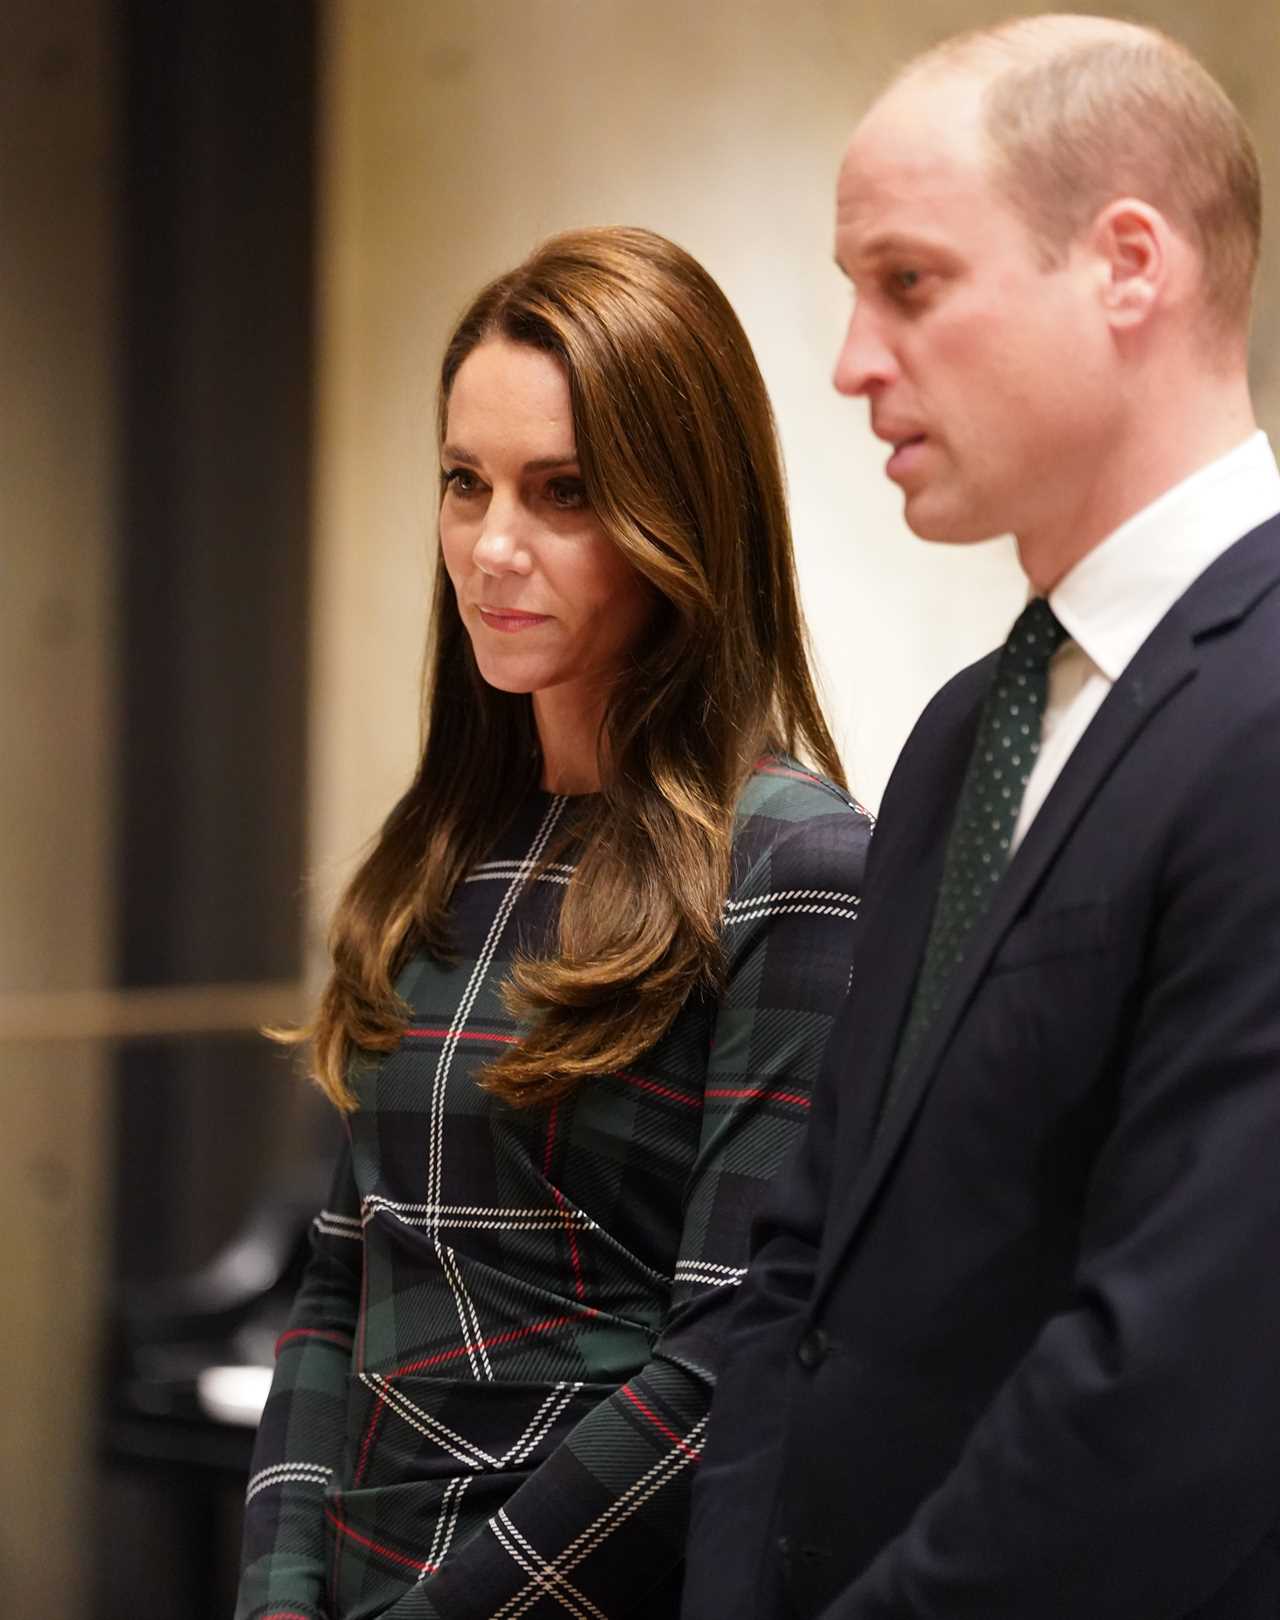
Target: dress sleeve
600	1527
303	1427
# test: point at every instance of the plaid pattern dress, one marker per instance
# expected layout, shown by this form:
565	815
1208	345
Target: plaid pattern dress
495	1381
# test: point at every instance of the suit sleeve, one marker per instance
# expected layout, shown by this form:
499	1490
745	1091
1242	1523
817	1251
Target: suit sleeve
732	1498
600	1526
303	1428
1132	1460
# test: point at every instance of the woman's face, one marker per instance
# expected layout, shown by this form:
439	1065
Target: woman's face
547	598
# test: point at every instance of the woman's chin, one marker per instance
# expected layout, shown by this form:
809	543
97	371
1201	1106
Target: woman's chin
511	675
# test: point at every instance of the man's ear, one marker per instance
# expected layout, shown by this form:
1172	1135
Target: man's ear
1132	242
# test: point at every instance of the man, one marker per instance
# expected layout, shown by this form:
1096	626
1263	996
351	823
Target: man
1010	1345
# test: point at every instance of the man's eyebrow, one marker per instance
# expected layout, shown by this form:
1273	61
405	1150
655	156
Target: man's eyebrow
892	243
457	452
873	254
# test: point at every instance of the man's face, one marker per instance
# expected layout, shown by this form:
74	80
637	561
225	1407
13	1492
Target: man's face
987	372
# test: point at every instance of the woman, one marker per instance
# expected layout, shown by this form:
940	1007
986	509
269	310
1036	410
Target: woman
580	987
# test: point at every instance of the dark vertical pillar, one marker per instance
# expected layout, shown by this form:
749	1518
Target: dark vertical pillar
217	195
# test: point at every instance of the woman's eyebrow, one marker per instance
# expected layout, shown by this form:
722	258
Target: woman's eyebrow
456	452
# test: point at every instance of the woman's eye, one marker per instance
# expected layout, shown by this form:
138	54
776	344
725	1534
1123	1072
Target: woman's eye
461	481
568	493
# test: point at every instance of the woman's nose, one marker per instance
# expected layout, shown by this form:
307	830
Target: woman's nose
501	547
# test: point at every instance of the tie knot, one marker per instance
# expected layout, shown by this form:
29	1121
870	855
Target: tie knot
1035	637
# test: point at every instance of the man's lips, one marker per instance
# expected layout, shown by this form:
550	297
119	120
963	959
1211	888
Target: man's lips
907	448
510	620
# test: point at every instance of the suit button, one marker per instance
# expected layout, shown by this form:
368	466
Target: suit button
812	1349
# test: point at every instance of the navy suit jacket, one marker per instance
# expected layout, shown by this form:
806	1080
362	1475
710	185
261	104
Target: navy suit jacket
1017	1356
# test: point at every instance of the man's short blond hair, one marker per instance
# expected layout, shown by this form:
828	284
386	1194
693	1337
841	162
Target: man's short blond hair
1080	111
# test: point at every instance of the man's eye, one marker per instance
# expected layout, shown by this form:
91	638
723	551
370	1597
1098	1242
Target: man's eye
905	281
568	493
461	481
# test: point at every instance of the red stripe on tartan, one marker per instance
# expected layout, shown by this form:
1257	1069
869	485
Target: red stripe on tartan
653	1417
578	1286
420	1034
782	770
499	1338
377	1546
339	1547
314	1333
514	1040
759	1091
660	1091
368	1441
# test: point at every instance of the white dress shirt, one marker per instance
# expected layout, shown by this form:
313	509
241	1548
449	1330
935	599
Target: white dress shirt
1114	597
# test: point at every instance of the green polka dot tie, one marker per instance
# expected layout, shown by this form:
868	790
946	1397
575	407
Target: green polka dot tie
977	854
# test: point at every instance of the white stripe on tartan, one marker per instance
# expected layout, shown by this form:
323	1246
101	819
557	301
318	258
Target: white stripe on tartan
494	1226
511	1223
709	1279
712	1265
330	1230
704	1271
446	1522
541	1421
287	1474
455	1444
538	877
788	911
619	1510
543	1573
511	868
467	1315
473	1216
843	895
452	1526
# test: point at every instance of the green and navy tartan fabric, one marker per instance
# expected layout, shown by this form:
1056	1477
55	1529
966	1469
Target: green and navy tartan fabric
495	1381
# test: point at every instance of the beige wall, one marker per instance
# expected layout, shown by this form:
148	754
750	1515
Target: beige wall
455	133
459	132
56	469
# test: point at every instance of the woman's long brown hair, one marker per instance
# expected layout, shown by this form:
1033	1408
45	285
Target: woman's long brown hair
679	455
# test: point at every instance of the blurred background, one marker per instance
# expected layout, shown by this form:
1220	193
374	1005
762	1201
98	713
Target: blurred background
232	238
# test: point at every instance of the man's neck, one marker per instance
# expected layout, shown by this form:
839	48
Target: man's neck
1167	446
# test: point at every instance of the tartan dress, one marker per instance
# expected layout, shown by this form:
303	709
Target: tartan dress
495	1380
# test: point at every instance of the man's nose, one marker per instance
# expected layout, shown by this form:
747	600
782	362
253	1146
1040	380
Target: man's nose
865	360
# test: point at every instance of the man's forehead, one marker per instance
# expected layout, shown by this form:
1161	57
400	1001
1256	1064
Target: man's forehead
924	117
911	149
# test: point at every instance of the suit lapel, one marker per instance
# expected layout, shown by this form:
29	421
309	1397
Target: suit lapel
902	885
1222	595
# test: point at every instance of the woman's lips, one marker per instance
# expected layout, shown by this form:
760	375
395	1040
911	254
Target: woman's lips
509	621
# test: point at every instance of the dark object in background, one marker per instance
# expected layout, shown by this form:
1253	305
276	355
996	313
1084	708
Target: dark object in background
215	186
189	1365
175	1449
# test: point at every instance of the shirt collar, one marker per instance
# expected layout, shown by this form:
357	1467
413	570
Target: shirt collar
1114	597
